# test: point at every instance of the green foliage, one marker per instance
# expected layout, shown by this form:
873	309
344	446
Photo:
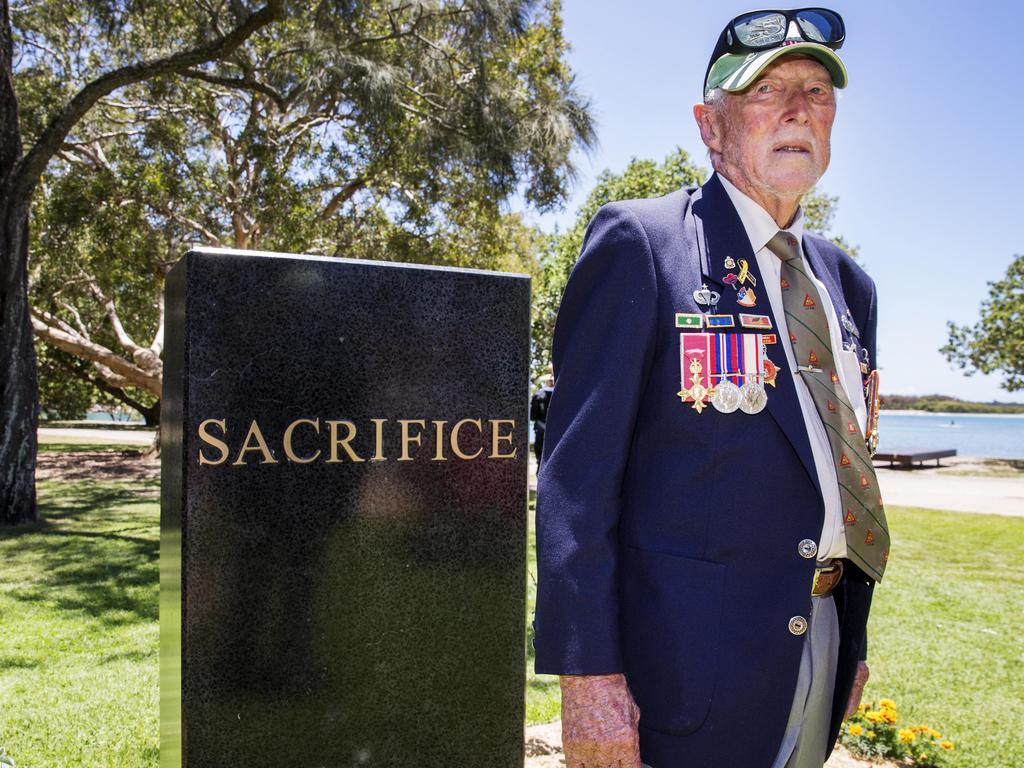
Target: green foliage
995	344
361	129
945	404
61	394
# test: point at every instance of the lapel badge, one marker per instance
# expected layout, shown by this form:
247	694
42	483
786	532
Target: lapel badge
720	321
706	297
847	320
756	321
689	321
730	262
865	361
746	297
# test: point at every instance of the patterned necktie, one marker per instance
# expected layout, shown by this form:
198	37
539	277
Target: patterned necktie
867	535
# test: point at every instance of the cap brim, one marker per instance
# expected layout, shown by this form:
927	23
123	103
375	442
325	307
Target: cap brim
733	72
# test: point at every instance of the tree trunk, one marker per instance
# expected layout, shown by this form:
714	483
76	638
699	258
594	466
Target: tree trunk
19	388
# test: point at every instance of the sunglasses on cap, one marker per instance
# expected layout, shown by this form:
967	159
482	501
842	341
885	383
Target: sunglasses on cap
761	30
758	30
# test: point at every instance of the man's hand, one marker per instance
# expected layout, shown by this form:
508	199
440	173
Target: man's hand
599	720
859	679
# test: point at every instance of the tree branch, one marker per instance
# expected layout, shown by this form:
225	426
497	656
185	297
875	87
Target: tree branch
240	83
32	165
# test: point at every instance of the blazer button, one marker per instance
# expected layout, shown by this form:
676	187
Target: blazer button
807	548
798	625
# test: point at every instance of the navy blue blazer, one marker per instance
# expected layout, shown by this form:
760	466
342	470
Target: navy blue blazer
667	539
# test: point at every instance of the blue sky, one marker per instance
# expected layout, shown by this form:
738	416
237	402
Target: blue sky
927	155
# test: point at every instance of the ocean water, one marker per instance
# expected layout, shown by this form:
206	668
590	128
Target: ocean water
983	435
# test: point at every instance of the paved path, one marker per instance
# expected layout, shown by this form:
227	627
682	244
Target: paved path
72	435
925	488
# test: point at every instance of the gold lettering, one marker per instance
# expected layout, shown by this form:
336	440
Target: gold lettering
344	442
220	445
292	456
407	438
439	441
455	438
261	446
496	437
378	432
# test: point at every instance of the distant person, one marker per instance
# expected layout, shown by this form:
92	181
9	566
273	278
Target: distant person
709	527
539	413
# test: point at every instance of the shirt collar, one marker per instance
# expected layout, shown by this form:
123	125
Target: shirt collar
758	223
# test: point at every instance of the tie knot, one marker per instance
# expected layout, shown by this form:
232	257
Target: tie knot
784	246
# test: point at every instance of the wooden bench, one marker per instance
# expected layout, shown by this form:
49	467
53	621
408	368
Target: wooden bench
908	459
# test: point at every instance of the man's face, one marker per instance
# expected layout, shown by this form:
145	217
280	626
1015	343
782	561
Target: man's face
774	137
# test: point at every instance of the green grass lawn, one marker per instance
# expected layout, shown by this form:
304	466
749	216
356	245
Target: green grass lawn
78	631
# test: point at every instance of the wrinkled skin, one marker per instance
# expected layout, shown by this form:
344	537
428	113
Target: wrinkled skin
599	722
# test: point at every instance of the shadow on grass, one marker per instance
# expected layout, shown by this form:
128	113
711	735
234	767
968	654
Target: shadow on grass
90	552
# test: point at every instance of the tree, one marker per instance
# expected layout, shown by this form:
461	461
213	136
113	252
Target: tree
995	344
68	102
348	128
313	163
642	178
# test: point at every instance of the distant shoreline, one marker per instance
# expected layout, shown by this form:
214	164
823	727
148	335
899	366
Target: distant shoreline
950	414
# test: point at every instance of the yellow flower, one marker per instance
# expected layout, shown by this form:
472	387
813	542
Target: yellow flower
873	717
934	734
863	707
947	745
887	704
856	730
889	716
870	734
906	735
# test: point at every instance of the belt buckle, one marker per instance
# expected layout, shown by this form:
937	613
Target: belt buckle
826	577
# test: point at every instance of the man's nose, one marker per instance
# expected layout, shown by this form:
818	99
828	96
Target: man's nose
796	107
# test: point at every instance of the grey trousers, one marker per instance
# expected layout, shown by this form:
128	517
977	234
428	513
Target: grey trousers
804	741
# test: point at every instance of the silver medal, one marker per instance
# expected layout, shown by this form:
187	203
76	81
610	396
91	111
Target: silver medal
727	397
752	397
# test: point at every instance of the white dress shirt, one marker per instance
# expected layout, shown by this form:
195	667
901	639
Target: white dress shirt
761	228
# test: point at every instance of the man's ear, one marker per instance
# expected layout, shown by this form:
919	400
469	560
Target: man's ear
709	121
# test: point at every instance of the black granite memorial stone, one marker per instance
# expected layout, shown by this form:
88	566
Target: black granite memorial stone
343	514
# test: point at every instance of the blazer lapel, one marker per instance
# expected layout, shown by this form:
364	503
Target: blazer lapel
721	235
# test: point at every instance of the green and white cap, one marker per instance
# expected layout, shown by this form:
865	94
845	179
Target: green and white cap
736	71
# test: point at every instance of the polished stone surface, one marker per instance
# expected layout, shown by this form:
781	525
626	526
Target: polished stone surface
352	587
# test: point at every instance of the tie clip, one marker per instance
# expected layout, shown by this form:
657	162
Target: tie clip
808	369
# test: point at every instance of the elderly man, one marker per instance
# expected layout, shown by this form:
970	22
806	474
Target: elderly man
709	523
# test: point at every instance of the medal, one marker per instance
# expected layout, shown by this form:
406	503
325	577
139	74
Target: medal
752	397
727	397
770	372
695	378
